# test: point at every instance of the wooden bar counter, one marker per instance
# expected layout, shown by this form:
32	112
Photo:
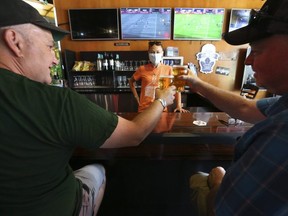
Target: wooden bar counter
153	178
179	136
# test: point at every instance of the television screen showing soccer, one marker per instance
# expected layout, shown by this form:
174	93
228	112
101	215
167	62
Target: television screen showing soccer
198	23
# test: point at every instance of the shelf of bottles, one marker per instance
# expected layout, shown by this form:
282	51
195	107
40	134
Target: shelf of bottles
107	71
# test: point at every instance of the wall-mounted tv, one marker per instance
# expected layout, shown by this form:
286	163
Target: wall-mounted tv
239	18
198	23
145	23
94	24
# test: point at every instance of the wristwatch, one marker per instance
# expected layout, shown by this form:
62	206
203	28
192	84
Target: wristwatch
163	102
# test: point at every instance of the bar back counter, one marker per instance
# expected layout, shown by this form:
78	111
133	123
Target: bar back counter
109	87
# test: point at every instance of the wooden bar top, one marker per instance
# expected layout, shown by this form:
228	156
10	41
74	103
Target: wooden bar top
180	135
189	124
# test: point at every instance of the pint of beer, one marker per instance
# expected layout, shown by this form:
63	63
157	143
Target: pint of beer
179	70
165	81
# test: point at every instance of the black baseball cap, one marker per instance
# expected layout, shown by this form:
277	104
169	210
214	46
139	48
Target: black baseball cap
271	19
15	12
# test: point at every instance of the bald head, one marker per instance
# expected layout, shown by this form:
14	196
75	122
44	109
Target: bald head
27	50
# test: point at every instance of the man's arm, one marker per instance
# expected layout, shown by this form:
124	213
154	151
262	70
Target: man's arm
235	105
131	133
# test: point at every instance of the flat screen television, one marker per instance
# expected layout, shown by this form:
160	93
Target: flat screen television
238	18
94	24
198	23
145	23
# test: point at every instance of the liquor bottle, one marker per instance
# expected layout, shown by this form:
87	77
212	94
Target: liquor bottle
117	62
105	62
99	60
111	62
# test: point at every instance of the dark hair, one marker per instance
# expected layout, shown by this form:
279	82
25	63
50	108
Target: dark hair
151	43
157	43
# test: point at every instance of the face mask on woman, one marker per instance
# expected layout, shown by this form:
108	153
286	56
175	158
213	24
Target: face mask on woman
155	58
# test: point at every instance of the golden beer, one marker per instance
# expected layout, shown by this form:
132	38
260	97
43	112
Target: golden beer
165	81
179	70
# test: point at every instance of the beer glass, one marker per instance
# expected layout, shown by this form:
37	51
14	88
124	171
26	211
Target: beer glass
165	81
179	70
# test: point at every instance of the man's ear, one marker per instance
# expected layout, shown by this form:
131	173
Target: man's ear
14	41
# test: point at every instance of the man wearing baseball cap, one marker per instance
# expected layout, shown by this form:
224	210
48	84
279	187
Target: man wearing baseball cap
255	183
41	125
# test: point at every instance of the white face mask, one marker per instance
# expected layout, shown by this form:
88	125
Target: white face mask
155	58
